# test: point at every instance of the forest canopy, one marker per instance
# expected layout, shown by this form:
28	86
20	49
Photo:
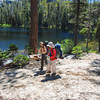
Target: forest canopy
59	14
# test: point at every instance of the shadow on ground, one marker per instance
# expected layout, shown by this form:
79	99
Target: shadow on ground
51	78
94	71
39	73
9	78
96	63
95	68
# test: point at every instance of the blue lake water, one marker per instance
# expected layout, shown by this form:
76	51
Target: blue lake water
20	36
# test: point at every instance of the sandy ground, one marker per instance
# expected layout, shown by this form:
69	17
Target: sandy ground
75	80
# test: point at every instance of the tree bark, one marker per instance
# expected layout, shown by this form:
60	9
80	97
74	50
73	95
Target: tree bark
77	23
34	25
57	16
87	41
99	45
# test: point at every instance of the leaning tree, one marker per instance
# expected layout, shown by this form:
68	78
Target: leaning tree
98	33
34	25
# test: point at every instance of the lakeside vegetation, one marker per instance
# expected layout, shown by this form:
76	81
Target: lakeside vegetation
75	75
5	25
81	17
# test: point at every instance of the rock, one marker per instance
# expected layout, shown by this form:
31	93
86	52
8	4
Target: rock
96	63
7	62
75	83
70	57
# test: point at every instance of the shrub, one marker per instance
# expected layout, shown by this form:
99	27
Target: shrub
92	46
5	25
77	50
12	48
4	55
28	50
1	56
92	51
84	31
67	46
20	60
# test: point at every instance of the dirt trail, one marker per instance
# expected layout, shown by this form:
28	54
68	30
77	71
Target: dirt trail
75	80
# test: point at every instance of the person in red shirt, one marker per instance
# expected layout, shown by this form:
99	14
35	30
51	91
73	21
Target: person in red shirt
52	64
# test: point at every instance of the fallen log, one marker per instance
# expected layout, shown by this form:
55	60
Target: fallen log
35	57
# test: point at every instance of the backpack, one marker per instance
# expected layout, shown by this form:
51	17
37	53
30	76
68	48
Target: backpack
45	44
56	52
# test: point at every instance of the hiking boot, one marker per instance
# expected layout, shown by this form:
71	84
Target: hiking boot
61	57
53	74
41	69
48	72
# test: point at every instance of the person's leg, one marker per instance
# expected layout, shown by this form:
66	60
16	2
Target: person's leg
46	62
53	67
49	67
57	53
60	51
42	62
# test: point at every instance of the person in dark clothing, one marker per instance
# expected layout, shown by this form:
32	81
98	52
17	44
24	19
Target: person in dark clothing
58	49
43	52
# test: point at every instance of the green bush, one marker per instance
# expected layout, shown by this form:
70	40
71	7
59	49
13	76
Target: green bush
77	50
28	50
4	55
67	45
92	46
5	25
82	45
92	51
1	55
20	60
12	48
84	31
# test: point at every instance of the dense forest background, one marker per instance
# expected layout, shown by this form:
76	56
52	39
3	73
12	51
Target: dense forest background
74	16
59	15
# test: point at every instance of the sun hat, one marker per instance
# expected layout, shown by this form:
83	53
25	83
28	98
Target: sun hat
50	44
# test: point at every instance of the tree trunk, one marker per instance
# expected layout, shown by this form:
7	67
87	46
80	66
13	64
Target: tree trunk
99	45
34	25
91	28
77	23
48	15
57	16
87	41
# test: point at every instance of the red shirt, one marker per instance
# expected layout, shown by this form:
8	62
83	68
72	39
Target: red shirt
52	54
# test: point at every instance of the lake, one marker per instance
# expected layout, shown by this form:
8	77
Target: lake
20	36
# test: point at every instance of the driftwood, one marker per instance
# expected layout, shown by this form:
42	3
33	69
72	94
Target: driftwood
35	57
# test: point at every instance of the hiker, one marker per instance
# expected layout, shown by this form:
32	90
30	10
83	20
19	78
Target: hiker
58	49
43	52
46	43
52	64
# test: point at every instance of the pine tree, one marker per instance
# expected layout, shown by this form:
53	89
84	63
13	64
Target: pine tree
34	25
98	33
